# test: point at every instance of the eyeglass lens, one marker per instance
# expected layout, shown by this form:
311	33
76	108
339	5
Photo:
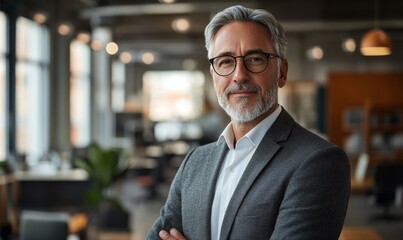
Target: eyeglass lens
254	62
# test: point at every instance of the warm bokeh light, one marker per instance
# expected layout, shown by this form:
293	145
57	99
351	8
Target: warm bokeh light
96	45
84	37
315	53
125	57
181	25
112	48
148	58
40	17
64	29
167	1
349	45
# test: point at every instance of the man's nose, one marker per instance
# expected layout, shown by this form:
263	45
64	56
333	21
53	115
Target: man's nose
240	72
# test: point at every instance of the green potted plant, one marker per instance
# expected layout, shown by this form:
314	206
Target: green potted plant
5	167
104	167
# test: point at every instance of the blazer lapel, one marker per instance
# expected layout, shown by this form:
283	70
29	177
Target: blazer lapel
213	162
268	147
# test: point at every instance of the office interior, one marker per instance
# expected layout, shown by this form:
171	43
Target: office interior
100	100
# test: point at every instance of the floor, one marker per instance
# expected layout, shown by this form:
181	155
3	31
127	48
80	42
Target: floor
361	213
144	217
144	212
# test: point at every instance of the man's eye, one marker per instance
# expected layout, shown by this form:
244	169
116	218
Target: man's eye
255	59
225	62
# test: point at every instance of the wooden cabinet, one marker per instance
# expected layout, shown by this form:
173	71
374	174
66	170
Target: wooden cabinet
365	115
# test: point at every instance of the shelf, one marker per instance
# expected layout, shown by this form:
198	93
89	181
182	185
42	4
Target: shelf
375	130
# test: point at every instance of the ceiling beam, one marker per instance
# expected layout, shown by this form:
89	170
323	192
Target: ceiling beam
155	9
306	26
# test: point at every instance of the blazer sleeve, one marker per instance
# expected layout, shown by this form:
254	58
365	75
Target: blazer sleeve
170	214
316	199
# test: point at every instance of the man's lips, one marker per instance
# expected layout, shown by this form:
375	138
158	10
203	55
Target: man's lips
242	93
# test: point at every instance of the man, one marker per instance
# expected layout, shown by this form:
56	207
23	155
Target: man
266	177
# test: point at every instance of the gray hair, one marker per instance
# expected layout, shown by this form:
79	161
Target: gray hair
244	14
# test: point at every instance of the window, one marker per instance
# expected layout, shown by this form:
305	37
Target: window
171	95
3	52
32	88
80	109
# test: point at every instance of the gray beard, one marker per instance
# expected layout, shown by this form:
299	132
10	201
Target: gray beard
241	113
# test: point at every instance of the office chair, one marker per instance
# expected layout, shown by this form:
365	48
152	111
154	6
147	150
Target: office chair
37	225
387	179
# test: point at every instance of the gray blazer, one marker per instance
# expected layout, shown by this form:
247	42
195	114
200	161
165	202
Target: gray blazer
296	186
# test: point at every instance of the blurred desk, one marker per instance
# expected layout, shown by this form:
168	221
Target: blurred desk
65	175
52	190
361	187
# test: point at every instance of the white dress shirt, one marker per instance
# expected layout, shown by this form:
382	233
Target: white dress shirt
234	165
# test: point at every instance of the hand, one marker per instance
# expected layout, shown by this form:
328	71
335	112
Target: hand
173	234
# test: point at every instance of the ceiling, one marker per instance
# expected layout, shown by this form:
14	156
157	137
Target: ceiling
146	24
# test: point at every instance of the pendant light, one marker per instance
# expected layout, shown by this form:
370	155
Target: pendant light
376	42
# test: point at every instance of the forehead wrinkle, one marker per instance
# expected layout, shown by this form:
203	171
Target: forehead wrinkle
229	53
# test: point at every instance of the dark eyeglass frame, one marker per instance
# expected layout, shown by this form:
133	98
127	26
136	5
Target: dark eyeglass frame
268	55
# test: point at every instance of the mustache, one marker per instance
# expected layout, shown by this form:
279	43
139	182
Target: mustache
247	87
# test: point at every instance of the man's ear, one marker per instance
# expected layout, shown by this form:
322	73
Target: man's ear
283	73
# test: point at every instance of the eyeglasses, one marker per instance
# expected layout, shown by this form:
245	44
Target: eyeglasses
255	62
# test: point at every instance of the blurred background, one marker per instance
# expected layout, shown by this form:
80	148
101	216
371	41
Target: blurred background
100	100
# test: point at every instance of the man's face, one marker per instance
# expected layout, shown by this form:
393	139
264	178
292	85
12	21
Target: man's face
242	94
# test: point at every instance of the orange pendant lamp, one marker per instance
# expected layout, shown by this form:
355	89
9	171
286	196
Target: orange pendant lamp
376	42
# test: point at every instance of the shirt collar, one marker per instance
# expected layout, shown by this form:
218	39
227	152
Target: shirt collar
255	135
